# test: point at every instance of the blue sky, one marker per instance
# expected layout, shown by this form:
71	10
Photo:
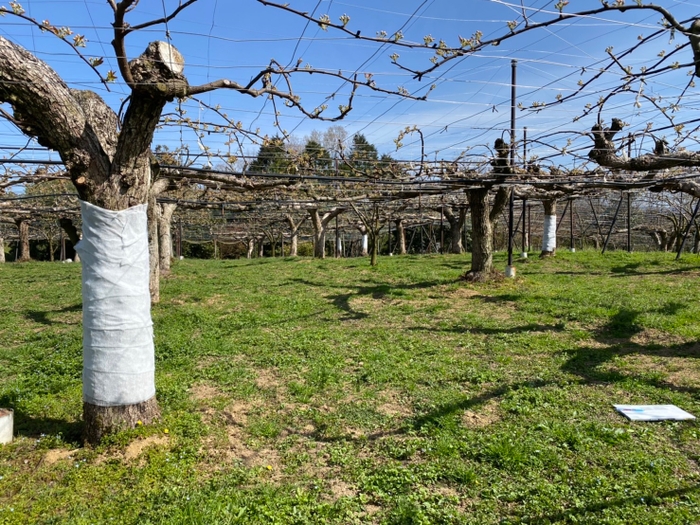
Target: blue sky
470	106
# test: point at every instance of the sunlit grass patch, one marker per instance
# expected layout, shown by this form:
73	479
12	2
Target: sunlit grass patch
302	391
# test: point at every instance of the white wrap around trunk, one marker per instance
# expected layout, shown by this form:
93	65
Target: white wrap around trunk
118	352
549	237
365	244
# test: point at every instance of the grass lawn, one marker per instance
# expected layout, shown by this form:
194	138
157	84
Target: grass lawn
304	391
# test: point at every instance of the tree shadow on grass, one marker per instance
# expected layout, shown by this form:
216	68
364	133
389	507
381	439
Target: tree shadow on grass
30	426
589	363
434	417
527	328
44	316
630	270
377	291
570	515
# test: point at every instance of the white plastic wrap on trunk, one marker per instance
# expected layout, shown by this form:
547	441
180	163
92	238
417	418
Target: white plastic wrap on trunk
549	238
365	243
118	353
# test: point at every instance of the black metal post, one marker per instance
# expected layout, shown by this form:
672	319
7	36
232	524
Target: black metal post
561	219
629	221
442	229
612	224
524	237
510	227
571	226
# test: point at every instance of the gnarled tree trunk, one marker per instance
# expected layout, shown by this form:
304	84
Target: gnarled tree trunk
251	248
109	163
23	240
456	221
482	230
400	236
165	236
320	225
153	215
294	234
482	234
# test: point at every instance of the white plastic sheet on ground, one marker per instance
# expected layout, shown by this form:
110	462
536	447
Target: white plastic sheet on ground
549	237
118	352
653	412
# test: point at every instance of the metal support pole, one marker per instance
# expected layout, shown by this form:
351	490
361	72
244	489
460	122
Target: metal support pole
561	219
687	230
511	204
513	95
388	242
529	228
510	271
442	230
612	224
571	227
179	241
629	221
523	243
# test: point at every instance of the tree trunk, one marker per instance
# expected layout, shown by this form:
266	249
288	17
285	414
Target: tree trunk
401	236
339	247
153	252
294	244
165	237
482	235
294	234
251	248
52	247
549	235
319	234
456	224
23	229
2	250
109	163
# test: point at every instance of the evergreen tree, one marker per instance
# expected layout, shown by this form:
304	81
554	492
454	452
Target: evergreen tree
363	155
272	157
315	157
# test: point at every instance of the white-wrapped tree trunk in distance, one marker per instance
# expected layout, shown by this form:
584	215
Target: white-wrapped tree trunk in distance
549	230
549	236
118	351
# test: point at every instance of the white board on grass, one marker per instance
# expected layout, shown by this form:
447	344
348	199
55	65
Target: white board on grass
653	412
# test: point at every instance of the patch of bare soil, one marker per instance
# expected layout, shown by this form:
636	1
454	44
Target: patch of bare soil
136	447
678	372
484	416
650	336
340	489
464	293
392	405
203	392
215	300
267	379
56	455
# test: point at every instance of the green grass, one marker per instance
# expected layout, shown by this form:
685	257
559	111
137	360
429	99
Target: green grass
303	391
